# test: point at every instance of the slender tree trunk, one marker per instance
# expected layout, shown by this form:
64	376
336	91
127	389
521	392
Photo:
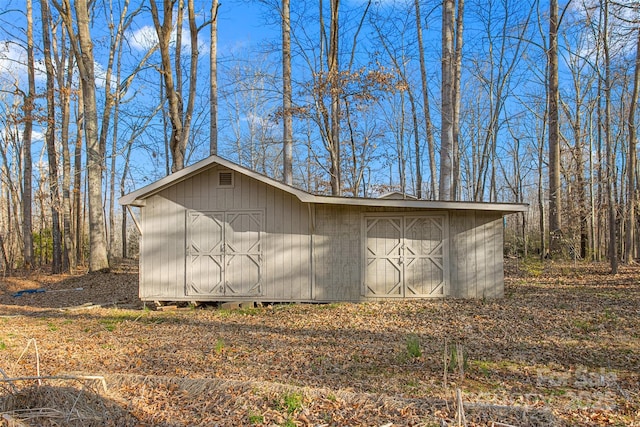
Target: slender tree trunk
446	146
193	72
457	76
334	84
83	50
50	141
287	119
27	190
66	81
555	224
631	167
173	95
213	89
427	114
611	167
77	184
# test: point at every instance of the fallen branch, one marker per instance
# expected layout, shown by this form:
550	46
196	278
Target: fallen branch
12	421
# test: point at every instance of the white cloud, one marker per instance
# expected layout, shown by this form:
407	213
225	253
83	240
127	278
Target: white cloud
13	64
621	33
143	39
12	60
146	38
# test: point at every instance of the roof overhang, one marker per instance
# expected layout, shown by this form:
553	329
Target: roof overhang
137	198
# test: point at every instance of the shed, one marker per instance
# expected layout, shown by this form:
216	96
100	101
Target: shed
216	231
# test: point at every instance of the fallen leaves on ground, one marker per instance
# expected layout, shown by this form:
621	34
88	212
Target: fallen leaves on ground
562	347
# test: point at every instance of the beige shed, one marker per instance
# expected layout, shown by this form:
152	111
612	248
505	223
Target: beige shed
216	231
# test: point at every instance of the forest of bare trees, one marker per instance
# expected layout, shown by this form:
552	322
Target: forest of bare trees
511	101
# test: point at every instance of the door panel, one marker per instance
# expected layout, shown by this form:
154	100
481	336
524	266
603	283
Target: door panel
383	271
205	253
404	256
224	253
424	254
243	253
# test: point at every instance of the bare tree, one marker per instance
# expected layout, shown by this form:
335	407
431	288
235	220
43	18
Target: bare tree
333	73
64	76
455	95
446	147
631	167
213	70
179	116
426	113
555	199
287	119
50	141
610	155
82	45
28	106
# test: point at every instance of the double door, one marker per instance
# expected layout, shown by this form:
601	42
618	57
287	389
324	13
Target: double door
405	255
224	253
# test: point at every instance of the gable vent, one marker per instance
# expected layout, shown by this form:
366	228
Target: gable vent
225	179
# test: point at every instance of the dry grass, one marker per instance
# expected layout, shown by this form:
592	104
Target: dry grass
562	348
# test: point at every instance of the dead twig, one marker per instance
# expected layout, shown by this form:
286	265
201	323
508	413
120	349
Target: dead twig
462	420
35	346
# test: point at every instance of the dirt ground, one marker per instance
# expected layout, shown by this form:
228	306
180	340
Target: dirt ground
562	348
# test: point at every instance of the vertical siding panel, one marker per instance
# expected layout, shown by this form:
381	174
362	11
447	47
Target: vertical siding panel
495	273
244	193
146	258
253	194
196	189
163	219
171	240
179	244
157	227
272	273
338	253
474	253
261	197
279	247
499	258
212	194
456	265
303	239
463	267
482	239
494	260
154	244
291	248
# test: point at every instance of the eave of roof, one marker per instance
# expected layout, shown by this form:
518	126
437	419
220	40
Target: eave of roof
137	197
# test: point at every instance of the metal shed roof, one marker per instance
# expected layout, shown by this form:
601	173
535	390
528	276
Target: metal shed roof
137	198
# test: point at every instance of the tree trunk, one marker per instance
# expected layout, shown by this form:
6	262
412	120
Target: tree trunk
27	190
83	50
555	224
213	89
66	82
457	76
193	73
174	99
427	113
52	157
631	167
334	84
610	160
77	185
447	100
287	120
